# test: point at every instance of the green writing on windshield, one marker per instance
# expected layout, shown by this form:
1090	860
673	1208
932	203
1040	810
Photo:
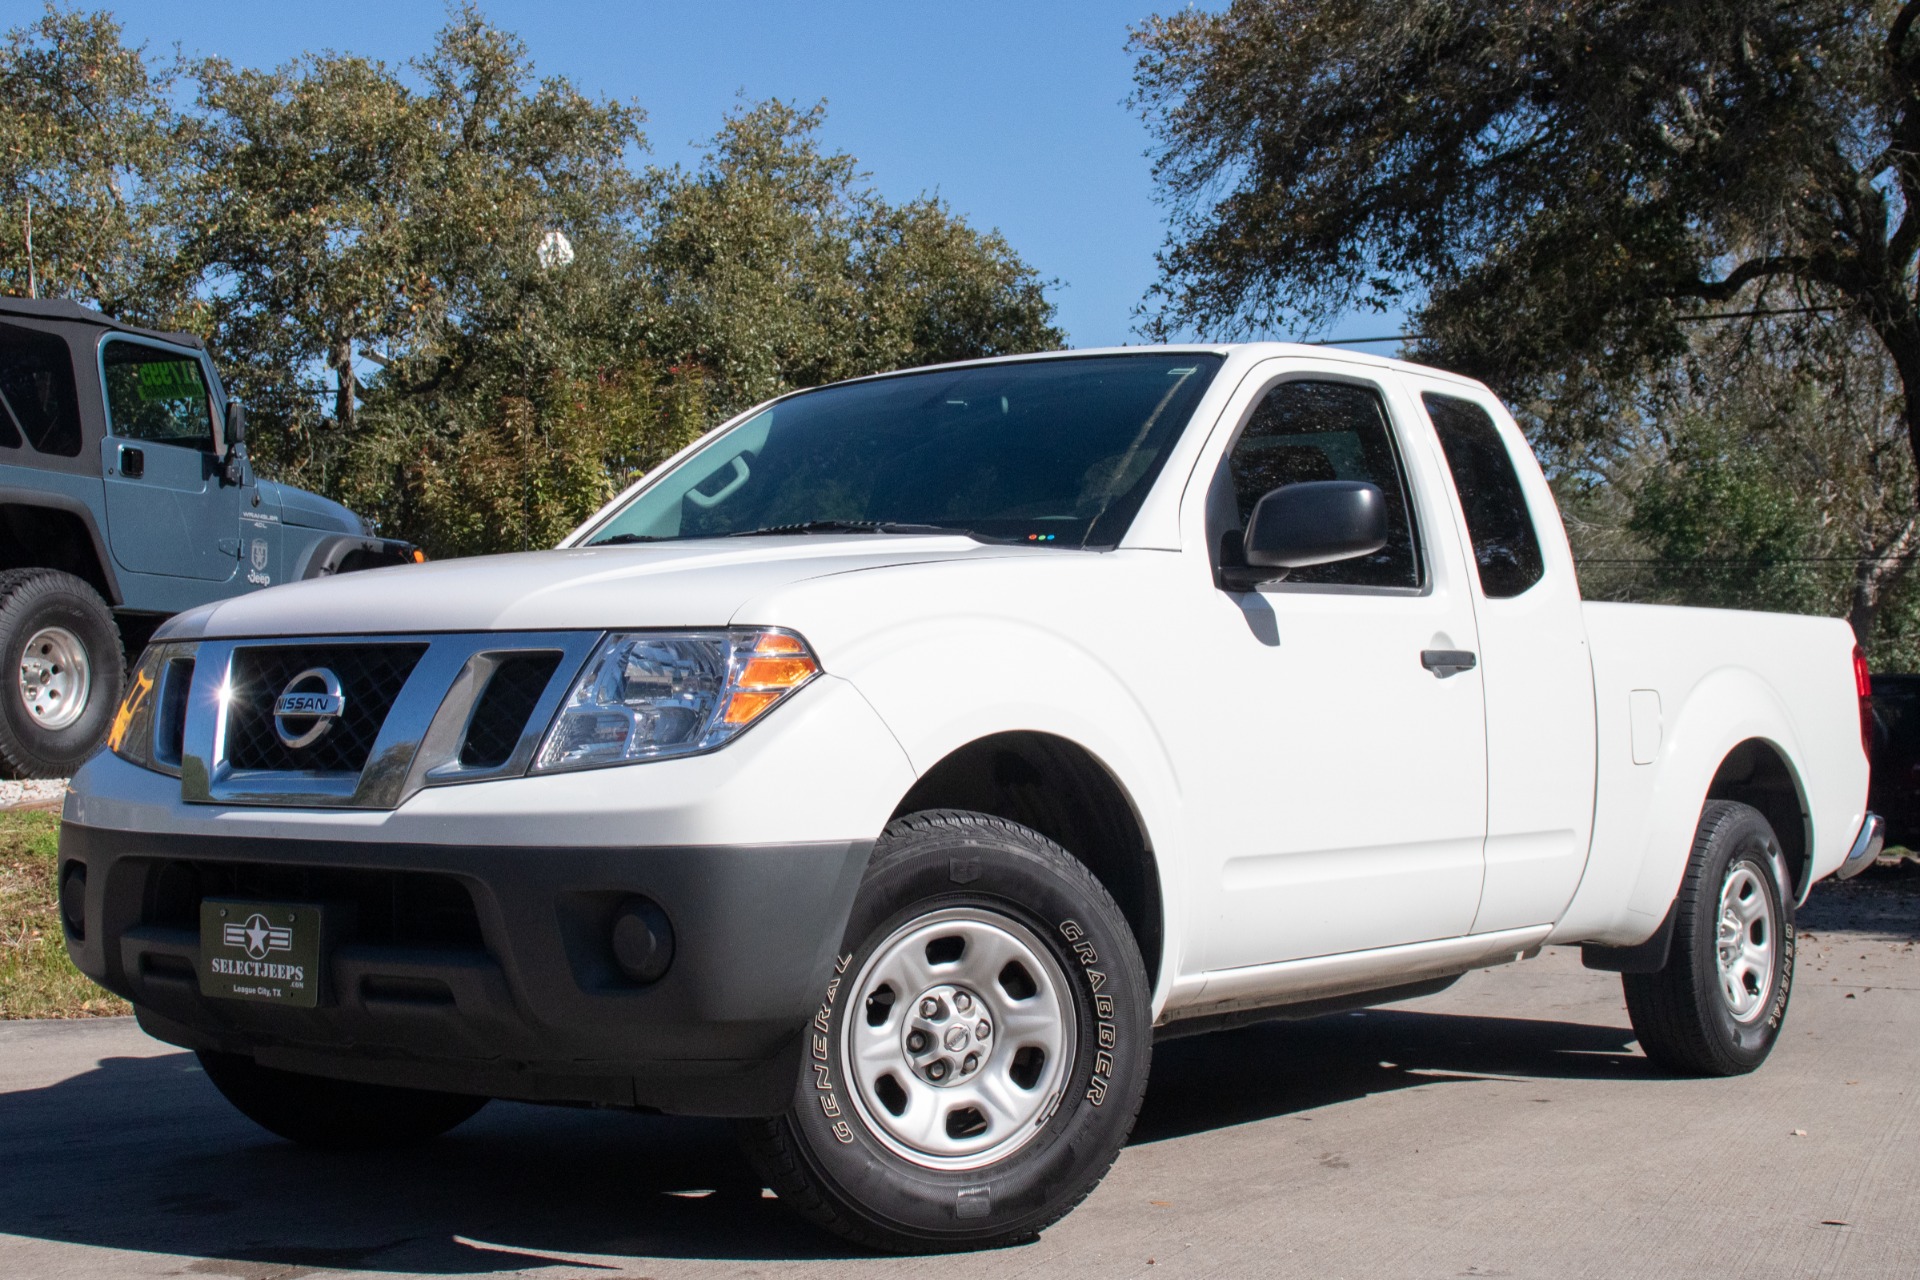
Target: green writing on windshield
170	380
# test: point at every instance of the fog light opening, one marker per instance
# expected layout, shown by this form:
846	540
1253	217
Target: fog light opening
73	900
642	940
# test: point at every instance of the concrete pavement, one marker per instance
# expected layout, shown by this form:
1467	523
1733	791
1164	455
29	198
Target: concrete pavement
1507	1127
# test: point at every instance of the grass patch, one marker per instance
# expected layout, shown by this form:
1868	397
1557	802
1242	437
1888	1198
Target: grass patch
36	978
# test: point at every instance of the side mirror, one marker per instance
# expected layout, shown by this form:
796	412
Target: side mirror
234	465
1313	522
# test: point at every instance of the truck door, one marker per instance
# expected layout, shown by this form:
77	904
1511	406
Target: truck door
1343	802
1533	661
167	510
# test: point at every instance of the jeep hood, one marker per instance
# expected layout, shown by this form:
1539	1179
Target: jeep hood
683	584
310	510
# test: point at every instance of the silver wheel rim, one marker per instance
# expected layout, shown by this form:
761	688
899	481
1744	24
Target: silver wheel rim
1747	942
958	1039
55	677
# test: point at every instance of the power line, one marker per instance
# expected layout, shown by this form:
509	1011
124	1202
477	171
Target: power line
1715	315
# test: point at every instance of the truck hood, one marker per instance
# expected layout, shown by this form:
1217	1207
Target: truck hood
683	584
310	510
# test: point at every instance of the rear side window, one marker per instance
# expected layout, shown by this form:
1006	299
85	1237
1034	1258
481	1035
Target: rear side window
1307	430
36	392
157	395
1505	548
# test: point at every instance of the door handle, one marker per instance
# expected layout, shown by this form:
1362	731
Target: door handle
1448	662
133	462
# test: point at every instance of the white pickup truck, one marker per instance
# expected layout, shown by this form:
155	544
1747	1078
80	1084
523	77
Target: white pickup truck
895	765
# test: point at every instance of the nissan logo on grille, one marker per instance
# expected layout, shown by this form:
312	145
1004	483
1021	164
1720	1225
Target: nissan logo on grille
308	707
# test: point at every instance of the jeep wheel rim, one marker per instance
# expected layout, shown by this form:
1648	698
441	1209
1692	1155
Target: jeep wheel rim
1746	943
55	677
958	1039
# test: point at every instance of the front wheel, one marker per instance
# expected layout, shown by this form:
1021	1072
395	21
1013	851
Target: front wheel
978	1057
1717	1007
61	653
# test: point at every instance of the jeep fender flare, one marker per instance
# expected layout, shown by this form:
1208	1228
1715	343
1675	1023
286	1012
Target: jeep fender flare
89	520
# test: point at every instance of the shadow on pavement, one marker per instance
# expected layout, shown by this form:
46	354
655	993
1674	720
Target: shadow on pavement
1282	1068
142	1154
1883	901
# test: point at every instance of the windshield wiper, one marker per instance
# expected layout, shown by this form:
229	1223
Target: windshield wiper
850	526
619	538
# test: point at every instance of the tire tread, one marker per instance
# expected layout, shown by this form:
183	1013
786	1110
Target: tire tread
775	1152
1668	1007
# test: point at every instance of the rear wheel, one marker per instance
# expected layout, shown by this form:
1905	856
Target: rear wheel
1718	1005
978	1059
334	1115
61	665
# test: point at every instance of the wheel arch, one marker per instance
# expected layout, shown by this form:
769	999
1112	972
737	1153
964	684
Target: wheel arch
52	531
1757	772
1062	790
1731	739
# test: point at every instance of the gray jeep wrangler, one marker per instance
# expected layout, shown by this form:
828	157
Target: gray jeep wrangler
125	497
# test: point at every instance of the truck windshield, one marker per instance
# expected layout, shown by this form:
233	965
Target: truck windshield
1057	452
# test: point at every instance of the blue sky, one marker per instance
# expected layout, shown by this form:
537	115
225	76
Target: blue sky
1013	112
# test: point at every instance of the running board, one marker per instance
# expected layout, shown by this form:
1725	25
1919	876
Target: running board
1349	973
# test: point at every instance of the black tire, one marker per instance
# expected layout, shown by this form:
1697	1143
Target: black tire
829	1160
334	1115
1685	1018
31	602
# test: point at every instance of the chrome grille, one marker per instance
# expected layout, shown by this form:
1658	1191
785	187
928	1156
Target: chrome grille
418	711
371	677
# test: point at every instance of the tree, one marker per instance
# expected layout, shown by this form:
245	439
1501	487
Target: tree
773	266
1764	473
346	216
362	245
89	161
1562	188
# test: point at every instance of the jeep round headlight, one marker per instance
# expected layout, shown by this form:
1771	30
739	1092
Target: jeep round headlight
645	695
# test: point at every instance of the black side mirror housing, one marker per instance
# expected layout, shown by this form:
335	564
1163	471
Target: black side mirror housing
233	466
1313	522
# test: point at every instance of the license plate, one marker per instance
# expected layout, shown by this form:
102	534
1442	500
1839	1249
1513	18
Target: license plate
265	951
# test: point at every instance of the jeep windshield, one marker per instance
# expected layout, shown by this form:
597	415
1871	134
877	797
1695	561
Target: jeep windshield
1058	452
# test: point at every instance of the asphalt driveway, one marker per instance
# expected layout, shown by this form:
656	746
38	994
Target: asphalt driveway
1508	1127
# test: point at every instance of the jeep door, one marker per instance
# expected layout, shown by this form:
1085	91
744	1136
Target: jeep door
168	511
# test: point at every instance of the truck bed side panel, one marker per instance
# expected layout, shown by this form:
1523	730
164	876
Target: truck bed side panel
1676	690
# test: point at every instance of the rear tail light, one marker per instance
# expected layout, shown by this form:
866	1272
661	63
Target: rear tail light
1863	686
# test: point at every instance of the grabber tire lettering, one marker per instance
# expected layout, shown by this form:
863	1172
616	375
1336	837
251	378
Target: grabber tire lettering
979	1052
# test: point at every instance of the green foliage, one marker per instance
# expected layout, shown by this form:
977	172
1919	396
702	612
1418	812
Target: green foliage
89	143
361	244
776	267
37	980
1564	193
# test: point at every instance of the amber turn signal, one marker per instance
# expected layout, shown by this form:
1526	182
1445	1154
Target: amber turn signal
778	663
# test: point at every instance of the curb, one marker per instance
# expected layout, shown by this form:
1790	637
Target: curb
37	793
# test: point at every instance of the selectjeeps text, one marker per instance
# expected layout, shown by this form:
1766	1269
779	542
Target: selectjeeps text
891	768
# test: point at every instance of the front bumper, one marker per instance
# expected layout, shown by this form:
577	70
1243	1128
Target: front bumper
487	969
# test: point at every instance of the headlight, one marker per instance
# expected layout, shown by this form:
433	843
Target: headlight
147	725
645	695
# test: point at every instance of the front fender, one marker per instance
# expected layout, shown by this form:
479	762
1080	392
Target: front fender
942	683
